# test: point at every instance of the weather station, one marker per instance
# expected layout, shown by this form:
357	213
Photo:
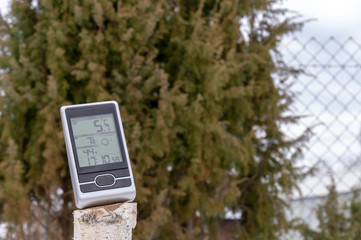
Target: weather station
98	158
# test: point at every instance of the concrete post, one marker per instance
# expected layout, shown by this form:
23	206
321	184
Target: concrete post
112	222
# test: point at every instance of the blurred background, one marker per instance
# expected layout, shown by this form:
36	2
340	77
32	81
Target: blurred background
323	61
328	50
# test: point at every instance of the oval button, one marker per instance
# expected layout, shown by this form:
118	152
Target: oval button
105	180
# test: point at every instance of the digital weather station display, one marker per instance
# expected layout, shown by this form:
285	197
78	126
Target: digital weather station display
96	140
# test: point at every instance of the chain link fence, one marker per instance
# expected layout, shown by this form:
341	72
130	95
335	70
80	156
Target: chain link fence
328	96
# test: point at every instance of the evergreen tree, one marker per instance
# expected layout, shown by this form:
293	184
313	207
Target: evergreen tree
337	221
199	104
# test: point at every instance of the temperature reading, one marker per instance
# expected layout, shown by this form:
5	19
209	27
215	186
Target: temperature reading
96	140
101	125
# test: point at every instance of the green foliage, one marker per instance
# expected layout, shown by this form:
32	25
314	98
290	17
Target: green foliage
336	221
200	108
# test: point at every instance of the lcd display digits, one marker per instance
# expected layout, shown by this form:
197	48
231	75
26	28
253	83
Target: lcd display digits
96	140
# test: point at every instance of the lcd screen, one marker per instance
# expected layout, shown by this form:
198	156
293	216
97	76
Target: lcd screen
96	140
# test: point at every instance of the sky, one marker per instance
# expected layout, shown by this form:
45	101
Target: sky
3	6
338	18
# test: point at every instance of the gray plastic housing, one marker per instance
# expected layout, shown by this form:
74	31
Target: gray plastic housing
87	192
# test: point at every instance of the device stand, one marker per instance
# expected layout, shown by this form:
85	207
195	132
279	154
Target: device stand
111	222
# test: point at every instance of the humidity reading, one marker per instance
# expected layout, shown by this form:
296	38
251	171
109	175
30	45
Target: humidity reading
96	140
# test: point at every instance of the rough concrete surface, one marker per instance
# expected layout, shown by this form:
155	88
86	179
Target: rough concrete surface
110	222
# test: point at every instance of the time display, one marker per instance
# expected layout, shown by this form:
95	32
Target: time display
96	140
